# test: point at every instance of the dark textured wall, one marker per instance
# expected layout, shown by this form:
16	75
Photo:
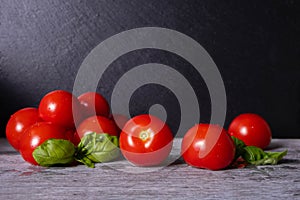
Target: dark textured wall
255	45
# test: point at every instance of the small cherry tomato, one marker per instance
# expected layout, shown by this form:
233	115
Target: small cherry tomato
252	129
207	146
97	124
94	104
37	134
73	137
146	140
18	123
60	107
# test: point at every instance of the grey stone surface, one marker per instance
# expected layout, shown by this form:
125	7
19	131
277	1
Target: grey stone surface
121	180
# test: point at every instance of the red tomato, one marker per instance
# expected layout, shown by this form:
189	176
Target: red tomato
35	135
18	123
94	104
60	107
252	129
73	137
207	146
146	140
97	124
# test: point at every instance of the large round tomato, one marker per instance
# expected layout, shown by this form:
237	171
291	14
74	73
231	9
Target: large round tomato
97	124
35	135
252	129
146	140
60	107
94	104
18	123
207	146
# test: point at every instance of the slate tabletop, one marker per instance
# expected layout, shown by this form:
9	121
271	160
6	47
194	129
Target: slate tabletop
121	180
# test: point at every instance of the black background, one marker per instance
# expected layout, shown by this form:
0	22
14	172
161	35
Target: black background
255	45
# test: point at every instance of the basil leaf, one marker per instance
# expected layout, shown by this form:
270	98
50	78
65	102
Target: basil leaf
97	148
277	156
257	156
54	152
86	161
239	147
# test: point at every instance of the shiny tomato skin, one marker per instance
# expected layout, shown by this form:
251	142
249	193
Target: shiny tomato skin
207	146
60	107
252	129
98	124
94	104
35	135
146	140
18	123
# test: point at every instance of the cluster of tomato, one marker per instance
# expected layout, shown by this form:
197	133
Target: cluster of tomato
60	115
144	140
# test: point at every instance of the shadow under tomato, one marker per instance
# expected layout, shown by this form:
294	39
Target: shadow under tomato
178	161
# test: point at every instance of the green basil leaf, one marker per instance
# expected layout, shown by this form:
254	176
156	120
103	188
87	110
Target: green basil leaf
277	156
86	161
97	148
54	152
239	147
256	156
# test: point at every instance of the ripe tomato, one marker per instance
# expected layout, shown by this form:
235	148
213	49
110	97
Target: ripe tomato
73	137
97	124
94	104
146	140
252	129
18	123
207	146
35	135
60	107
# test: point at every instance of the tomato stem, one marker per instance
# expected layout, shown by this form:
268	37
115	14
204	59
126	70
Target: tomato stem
144	135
